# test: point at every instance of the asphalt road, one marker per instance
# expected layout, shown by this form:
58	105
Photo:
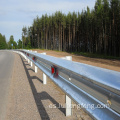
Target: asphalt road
6	69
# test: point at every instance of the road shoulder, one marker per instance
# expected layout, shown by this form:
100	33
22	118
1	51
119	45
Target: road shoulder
21	101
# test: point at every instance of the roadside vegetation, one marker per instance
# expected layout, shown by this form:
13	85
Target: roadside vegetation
7	45
95	31
93	55
3	43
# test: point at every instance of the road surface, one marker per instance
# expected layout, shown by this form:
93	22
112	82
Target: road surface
6	68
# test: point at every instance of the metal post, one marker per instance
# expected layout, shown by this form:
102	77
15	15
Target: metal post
36	66
68	58
43	53
22	40
31	64
28	61
68	106
44	79
44	75
68	100
25	58
36	69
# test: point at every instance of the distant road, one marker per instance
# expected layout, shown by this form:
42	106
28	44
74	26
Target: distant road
6	68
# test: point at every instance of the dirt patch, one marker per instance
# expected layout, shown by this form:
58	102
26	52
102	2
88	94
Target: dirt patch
104	63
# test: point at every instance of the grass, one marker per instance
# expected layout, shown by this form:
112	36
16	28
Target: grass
93	55
86	54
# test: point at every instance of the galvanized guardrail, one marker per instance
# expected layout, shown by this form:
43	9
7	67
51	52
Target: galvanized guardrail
97	90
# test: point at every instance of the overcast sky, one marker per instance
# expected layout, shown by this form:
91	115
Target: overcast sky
14	14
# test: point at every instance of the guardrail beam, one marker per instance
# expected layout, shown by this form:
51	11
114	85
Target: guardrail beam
75	77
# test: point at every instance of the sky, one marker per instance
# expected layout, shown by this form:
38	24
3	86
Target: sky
15	14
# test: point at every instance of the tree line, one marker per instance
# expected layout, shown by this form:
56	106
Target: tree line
11	44
3	43
92	31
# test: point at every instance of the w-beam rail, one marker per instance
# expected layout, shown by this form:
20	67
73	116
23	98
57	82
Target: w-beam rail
95	89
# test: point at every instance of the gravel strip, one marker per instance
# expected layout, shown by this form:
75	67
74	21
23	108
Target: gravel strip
21	101
31	100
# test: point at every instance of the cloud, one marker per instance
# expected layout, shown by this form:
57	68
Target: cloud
48	6
14	14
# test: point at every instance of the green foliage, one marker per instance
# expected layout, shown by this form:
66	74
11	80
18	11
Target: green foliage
19	42
95	31
27	34
29	45
12	42
3	44
93	55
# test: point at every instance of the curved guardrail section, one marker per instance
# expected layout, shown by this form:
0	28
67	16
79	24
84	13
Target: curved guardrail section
96	89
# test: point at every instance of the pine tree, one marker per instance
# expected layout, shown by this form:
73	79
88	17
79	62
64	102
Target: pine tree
93	31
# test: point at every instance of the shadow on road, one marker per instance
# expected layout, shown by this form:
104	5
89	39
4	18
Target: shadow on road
40	96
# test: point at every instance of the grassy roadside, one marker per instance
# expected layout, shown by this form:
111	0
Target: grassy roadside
93	55
85	54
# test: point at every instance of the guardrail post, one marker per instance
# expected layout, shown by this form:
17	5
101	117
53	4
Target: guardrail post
68	100
25	58
35	66
43	53
44	75
36	69
68	106
44	79
31	64
28	60
68	58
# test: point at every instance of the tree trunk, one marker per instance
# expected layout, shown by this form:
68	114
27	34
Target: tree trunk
74	38
46	39
64	44
53	40
59	38
69	38
38	41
